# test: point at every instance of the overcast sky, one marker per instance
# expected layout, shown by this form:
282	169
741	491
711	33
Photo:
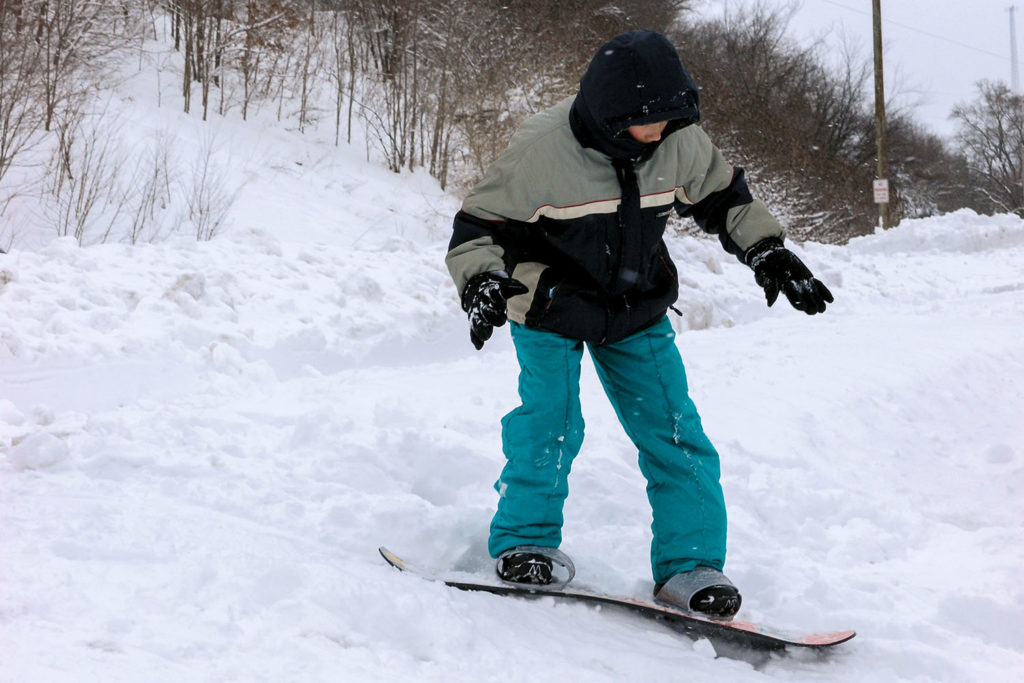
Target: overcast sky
935	50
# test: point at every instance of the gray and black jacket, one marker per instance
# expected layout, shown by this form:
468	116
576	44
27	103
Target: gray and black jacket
576	209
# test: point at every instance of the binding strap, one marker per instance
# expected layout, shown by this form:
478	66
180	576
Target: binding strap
556	556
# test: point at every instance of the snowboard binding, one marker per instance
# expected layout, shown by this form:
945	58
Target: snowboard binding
704	591
535	565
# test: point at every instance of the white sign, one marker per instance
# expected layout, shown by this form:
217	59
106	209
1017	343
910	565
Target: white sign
881	186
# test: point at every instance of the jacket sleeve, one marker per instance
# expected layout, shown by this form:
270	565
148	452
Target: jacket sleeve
716	196
492	218
475	247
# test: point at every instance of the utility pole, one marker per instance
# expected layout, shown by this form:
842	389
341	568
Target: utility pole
881	185
1015	81
1014	67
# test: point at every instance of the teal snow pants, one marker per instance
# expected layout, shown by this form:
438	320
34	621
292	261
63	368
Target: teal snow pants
645	381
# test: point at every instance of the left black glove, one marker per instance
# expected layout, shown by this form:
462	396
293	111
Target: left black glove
778	269
484	298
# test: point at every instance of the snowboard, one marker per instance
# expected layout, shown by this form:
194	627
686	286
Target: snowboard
734	632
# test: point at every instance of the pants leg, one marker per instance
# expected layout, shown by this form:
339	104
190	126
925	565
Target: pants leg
540	439
644	378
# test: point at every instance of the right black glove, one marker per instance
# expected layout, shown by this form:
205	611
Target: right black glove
778	269
484	298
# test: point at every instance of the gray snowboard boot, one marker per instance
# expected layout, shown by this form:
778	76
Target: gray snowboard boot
703	590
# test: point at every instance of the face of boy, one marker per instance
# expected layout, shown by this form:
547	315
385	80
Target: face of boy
650	132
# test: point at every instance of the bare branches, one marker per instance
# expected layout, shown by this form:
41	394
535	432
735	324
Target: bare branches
53	52
804	130
441	85
84	169
101	190
22	118
147	193
208	197
991	134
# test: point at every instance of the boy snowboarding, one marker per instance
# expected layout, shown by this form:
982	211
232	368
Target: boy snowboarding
564	238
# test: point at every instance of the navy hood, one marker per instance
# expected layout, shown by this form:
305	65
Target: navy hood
634	79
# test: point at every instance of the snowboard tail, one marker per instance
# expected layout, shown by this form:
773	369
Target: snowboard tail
737	632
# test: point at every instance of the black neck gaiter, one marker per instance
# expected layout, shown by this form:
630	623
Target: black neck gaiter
629	227
591	134
625	153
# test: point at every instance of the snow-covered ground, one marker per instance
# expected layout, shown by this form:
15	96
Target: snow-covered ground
202	445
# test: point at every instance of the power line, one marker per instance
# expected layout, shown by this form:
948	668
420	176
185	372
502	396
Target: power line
917	30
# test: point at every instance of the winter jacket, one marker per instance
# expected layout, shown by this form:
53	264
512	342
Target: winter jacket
576	209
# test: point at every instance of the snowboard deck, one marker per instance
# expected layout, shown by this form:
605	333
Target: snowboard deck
735	632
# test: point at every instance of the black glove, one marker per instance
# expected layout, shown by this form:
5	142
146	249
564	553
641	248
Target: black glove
483	298
778	269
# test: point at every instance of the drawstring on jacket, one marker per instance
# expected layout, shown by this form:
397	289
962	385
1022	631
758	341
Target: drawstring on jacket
630	259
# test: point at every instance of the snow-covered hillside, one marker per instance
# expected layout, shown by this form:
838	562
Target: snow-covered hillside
203	444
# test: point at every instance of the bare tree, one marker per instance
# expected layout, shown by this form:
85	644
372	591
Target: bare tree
145	191
338	65
441	84
85	167
805	131
801	129
22	116
450	79
53	53
75	39
208	198
390	35
991	137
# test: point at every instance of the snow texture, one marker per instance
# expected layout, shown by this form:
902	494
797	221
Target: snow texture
202	446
